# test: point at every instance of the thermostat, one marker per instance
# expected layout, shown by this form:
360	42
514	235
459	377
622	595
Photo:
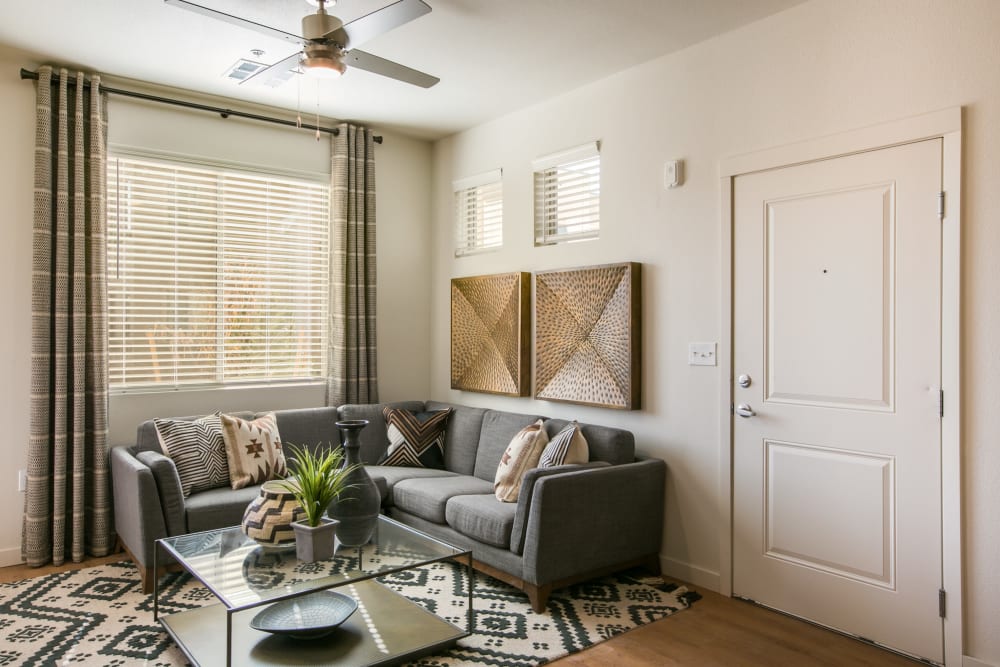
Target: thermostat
673	173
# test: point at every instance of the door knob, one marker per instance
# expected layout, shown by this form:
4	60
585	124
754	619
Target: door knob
744	410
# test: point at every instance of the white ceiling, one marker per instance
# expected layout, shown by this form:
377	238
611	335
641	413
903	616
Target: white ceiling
492	56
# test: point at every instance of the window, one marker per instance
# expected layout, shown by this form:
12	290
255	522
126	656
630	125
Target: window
568	195
478	213
215	276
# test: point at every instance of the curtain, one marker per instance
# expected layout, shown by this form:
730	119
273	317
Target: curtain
352	369
67	507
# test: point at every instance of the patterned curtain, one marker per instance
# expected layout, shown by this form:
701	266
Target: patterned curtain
67	508
352	369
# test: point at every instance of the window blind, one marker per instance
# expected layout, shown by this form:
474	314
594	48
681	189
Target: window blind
215	276
568	195
478	213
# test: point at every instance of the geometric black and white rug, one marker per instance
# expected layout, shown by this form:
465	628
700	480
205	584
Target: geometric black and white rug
99	616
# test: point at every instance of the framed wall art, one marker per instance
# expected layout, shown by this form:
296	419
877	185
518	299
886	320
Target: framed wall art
490	334
588	335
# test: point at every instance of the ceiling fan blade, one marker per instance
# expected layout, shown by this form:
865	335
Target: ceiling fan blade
368	62
273	75
236	20
372	25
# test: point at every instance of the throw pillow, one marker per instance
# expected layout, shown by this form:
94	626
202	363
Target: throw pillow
253	449
416	439
197	450
522	455
566	446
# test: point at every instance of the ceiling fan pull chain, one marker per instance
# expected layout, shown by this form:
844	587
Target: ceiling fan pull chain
298	102
317	112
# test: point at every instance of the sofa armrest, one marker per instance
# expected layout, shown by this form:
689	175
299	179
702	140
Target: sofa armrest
586	520
138	515
168	486
526	494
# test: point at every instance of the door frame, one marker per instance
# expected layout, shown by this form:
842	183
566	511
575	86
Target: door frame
946	125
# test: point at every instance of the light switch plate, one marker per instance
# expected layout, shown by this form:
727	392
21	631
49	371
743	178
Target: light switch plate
701	354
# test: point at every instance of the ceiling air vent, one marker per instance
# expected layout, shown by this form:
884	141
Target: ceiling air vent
243	69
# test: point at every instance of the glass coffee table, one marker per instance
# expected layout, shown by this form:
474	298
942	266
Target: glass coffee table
252	583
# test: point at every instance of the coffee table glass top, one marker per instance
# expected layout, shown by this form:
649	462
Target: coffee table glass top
243	574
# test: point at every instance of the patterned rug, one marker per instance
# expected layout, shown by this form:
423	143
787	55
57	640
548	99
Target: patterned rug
98	616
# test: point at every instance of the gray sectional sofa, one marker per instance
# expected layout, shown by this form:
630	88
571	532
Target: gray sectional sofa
569	524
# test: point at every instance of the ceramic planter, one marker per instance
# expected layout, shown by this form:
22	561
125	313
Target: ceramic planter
315	543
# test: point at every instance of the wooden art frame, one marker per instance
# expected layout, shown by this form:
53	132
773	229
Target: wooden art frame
588	329
490	334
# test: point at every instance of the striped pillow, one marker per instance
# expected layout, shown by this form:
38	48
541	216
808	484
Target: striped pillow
566	446
416	439
197	450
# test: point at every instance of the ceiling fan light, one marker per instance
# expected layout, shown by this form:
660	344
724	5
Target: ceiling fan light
323	68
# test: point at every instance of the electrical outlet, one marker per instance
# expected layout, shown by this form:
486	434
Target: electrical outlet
22	481
701	354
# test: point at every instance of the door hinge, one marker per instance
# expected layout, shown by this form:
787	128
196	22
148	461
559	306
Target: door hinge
941	403
941	602
941	204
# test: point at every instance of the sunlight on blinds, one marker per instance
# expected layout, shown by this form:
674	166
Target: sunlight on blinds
215	276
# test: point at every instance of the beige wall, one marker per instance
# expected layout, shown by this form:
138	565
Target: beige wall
403	204
820	68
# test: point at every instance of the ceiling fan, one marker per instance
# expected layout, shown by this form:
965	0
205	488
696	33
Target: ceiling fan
328	44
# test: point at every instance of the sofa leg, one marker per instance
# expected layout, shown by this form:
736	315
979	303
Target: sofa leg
538	596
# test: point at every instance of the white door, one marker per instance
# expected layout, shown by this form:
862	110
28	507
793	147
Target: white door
836	317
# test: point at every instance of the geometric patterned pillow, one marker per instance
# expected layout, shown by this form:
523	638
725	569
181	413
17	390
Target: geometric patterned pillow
567	446
416	440
197	449
253	448
520	456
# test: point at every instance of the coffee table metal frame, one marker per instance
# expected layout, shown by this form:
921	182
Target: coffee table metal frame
437	551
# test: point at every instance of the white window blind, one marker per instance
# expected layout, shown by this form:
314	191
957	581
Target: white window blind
215	276
568	195
478	213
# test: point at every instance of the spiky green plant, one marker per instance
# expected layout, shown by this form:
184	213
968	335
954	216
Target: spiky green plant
316	479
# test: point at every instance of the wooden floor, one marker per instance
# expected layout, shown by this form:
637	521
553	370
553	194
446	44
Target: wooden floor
716	630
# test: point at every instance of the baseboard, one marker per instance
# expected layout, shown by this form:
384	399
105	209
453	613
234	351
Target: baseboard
969	661
692	574
11	556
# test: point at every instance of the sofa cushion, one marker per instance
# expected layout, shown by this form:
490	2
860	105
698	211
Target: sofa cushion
386	477
416	439
481	517
427	497
605	443
498	430
217	508
307	427
461	439
253	450
197	449
522	454
567	446
374	439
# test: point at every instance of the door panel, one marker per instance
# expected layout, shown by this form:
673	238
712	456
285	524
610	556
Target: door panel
829	262
836	316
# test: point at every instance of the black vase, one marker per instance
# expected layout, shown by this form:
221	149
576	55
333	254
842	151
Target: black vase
357	508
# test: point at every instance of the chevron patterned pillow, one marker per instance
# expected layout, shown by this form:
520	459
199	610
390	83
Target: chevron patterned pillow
416	439
197	450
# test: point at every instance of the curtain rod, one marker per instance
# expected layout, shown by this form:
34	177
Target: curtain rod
225	113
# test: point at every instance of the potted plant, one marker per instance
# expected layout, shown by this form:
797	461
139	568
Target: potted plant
316	479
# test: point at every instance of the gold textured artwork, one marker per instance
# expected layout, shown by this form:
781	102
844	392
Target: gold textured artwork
587	335
489	334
